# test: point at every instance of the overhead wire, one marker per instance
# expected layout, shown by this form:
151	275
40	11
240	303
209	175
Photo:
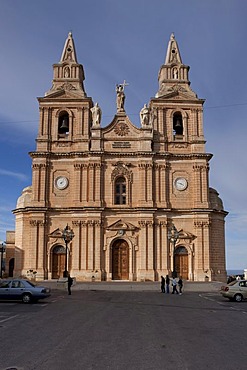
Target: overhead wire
134	114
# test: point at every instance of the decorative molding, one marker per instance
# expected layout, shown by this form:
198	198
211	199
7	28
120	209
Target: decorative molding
37	223
66	86
90	223
121	170
121	129
40	166
144	223
63	144
199	168
202	224
163	223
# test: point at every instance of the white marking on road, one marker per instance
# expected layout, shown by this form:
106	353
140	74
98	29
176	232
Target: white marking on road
9	318
238	309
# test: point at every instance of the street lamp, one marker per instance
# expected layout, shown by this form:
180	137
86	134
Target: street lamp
173	235
2	266
68	235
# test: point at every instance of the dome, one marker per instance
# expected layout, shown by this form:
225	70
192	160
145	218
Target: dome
25	199
215	201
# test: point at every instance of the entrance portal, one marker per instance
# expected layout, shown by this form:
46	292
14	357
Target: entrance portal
58	262
181	262
120	260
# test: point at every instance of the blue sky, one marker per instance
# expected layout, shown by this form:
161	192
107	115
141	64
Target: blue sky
117	40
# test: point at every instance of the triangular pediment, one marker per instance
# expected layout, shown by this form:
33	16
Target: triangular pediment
58	233
176	92
121	225
121	127
65	91
186	235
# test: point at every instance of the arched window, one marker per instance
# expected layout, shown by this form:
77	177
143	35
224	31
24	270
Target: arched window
63	123
177	124
120	190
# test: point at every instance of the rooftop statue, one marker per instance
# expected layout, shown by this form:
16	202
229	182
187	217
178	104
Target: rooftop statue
120	96
96	114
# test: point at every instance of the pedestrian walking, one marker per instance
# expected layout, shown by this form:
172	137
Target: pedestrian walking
162	284
167	284
174	286
180	285
70	283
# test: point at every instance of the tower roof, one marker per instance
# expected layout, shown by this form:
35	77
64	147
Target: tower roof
174	75
69	52
173	54
68	74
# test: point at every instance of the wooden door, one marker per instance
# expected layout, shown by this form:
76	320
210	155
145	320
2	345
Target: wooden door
58	265
181	265
120	260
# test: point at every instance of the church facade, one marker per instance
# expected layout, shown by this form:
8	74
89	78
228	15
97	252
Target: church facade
120	202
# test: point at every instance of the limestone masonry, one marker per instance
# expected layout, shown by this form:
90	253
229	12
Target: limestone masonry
137	199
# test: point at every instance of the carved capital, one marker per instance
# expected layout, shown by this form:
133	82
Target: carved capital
202	224
145	223
36	223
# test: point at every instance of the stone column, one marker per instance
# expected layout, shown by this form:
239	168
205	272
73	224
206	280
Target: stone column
98	245
78	182
149	183
197	186
84	246
91	183
142	251
202	258
142	191
98	197
91	245
76	255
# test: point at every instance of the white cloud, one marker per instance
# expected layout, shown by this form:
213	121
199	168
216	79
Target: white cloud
19	176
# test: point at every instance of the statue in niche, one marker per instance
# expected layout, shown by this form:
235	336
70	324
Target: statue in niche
175	73
144	116
66	72
96	114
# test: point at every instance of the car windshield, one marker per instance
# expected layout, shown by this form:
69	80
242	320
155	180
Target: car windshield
234	282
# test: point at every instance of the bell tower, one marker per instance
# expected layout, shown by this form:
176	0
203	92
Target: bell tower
64	127
177	111
65	108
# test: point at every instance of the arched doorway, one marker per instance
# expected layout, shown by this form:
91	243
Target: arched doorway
58	262
181	262
120	260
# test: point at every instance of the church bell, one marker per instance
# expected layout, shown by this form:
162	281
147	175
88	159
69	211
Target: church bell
64	126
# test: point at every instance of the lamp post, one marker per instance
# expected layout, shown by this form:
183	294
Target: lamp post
173	235
2	252
68	235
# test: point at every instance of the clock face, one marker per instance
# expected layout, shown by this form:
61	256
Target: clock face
181	183
61	182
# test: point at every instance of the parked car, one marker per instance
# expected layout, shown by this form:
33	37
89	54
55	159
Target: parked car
236	290
21	289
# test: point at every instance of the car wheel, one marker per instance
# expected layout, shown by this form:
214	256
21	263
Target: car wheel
238	297
26	298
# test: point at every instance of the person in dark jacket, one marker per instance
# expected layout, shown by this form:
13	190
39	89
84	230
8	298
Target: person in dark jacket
167	284
180	285
162	284
70	283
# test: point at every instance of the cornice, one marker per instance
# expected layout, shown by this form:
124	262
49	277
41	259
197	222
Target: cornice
154	210
102	154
